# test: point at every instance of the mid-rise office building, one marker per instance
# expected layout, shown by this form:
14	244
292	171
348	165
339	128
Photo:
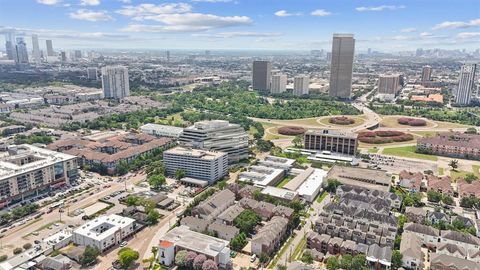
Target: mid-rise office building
49	44
217	135
161	130
426	74
104	232
341	68
279	84
63	56
389	84
466	83
262	76
92	73
21	53
198	164
300	85
37	56
115	83
27	170
331	140
78	54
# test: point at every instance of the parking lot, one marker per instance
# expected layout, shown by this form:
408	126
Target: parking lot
396	165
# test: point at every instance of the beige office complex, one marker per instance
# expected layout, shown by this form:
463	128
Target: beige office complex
389	84
341	68
27	170
300	85
331	140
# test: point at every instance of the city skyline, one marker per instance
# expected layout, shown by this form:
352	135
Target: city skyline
241	24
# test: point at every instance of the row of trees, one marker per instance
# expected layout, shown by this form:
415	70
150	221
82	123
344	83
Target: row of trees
191	260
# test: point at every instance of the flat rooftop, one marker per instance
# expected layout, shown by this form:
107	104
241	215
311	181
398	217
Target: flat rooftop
201	243
366	178
331	132
281	193
313	182
261	175
112	223
40	157
197	153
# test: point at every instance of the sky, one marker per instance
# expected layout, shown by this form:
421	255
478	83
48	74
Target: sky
383	25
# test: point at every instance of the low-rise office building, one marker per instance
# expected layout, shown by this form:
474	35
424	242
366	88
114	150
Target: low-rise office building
361	177
26	170
161	130
331	140
104	232
199	164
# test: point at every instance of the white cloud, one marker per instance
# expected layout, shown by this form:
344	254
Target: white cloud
49	2
150	9
125	1
320	12
89	15
426	34
469	35
64	34
212	1
238	34
379	8
408	30
455	25
89	2
284	13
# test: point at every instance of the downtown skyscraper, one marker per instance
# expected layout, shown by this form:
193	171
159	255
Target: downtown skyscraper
36	49
50	51
466	83
341	68
21	53
115	83
262	76
9	47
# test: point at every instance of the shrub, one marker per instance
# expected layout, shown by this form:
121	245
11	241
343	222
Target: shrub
17	250
341	120
27	246
383	136
291	130
3	258
411	121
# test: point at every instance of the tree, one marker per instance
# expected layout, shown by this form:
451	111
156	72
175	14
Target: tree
198	261
332	185
264	145
454	164
307	257
238	242
298	141
127	257
470	177
446	199
133	200
179	174
397	259
89	256
122	167
156	181
332	263
246	221
209	265
358	262
434	196
281	267
153	216
346	261
263	258
181	258
189	259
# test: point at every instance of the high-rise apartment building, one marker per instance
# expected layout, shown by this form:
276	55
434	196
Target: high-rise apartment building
389	84
426	74
9	48
217	135
63	56
92	73
466	82
262	76
115	83
168	56
50	51
37	56
78	54
341	68
21	53
300	85
279	84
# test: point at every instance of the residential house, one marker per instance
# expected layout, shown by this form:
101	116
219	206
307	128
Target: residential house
223	231
195	224
411	181
411	249
461	239
428	235
440	184
437	217
416	214
212	207
439	261
229	215
269	237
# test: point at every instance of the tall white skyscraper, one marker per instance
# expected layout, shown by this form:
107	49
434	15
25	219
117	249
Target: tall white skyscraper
115	82
261	76
341	68
300	85
279	84
466	82
50	51
21	53
36	49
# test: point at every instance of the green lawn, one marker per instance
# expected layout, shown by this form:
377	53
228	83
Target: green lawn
298	250
407	151
321	196
282	251
373	150
455	174
441	171
284	181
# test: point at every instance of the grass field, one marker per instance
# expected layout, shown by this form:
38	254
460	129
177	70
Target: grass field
373	150
450	125
475	170
424	133
407	151
441	171
322	196
391	121
284	181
